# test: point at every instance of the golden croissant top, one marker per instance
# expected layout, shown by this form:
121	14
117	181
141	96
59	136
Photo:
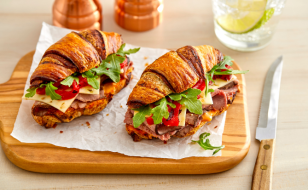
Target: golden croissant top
75	52
174	72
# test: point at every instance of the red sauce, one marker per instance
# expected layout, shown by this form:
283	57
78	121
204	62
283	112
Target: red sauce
61	131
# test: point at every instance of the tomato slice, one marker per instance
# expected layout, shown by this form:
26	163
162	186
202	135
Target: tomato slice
199	85
224	77
150	120
41	91
173	119
124	64
83	81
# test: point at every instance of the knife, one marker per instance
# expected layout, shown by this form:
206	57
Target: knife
266	129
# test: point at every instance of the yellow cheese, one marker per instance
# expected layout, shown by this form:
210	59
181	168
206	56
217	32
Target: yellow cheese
206	99
182	116
90	89
220	83
61	105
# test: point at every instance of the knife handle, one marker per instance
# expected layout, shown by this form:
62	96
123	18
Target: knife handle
262	173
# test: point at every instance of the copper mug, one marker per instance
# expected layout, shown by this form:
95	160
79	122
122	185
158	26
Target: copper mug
77	14
138	15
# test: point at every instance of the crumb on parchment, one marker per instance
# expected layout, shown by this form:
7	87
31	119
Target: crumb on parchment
88	124
61	131
107	114
147	64
145	57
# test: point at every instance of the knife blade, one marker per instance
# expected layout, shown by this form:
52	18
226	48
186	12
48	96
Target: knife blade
267	125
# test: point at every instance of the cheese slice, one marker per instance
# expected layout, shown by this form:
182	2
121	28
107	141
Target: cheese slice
220	83
206	99
61	105
182	116
90	89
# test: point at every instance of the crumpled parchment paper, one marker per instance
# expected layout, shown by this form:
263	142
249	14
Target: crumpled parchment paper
106	131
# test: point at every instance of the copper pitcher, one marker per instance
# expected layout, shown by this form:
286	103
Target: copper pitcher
77	14
138	15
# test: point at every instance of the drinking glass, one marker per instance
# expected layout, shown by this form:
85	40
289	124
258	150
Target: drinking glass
246	25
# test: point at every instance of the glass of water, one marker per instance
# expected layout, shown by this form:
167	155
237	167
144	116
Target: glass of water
246	25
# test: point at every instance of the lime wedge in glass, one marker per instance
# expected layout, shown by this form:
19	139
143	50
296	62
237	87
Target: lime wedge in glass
245	16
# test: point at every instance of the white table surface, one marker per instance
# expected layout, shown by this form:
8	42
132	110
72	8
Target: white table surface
185	22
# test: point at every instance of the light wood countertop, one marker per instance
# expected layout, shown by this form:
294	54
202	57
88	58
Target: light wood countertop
185	22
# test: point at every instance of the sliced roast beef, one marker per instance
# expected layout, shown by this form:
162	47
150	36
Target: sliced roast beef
129	117
78	104
220	100
163	137
184	131
162	129
229	85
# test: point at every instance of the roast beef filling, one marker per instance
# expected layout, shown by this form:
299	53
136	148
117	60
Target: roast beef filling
221	97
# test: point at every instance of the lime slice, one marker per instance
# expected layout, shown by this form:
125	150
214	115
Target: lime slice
249	15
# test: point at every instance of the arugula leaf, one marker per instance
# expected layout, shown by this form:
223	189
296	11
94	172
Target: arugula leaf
192	104
216	70
69	80
91	79
229	72
50	91
93	82
161	110
127	52
227	61
110	67
139	118
31	92
88	74
190	93
207	145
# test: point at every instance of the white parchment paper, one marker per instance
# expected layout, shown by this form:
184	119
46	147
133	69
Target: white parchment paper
107	130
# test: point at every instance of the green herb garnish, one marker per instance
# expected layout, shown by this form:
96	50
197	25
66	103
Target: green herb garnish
161	110
139	118
69	80
216	70
50	91
31	92
206	145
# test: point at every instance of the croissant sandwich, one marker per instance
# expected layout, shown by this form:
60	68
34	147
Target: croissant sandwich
78	75
179	92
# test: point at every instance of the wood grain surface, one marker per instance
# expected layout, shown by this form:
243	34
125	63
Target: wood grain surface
48	158
263	171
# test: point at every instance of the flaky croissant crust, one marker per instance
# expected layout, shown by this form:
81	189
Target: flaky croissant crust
75	52
174	72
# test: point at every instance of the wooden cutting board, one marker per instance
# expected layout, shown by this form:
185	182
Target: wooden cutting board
47	158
